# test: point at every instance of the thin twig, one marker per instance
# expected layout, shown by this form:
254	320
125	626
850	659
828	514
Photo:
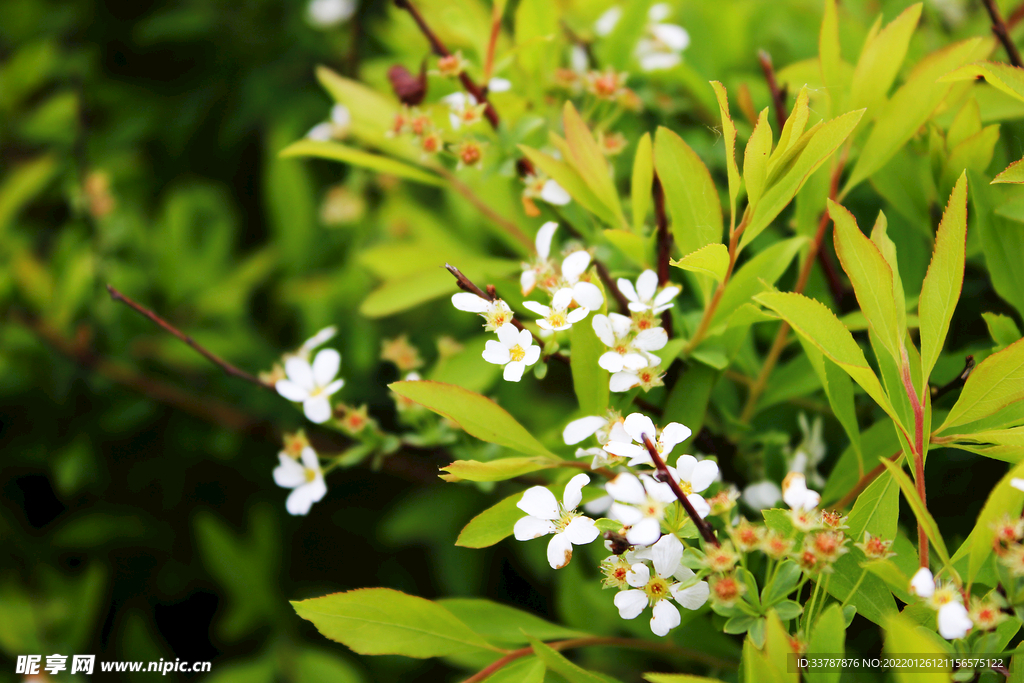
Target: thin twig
778	94
492	44
1015	16
706	532
612	287
1002	32
956	382
213	358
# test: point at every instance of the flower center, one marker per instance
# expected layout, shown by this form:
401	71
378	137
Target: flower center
621	349
656	589
652	508
310	475
557	319
516	353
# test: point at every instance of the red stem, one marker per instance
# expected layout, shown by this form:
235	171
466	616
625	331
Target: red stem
918	455
706	532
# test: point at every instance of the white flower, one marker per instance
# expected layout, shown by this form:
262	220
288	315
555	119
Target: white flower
811	450
462	106
319	339
325	14
586	294
656	590
579	61
606	23
1017	484
306	480
321	132
613	330
627	440
953	619
796	494
923	583
546	516
645	297
599	455
762	494
627	379
553	193
496	313
514	349
336	128
312	385
664	44
499	85
640	505
577	430
542	267
557	316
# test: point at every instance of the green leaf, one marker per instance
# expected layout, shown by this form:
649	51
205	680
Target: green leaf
679	678
1014	173
1001	328
589	380
911	106
1005	77
381	621
750	279
371	111
903	635
690	194
492	525
829	57
793	169
712	260
827	637
880	236
944	280
755	158
23	182
839	392
893	576
525	670
688	402
729	134
572	182
871	277
792	131
1004	499
324	667
629	243
1001	241
777	648
357	157
820	326
590	162
560	665
479	416
395	296
880	59
924	517
995	383
504	624
643	177
494	470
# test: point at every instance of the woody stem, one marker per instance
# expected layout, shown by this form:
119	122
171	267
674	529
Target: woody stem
706	532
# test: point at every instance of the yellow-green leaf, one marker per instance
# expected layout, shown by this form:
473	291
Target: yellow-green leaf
589	380
880	59
559	664
903	636
643	177
357	157
829	56
819	325
729	136
880	236
590	162
755	158
689	192
478	415
492	525
629	243
381	621
944	280
871	278
995	383
793	129
494	470
711	260
1014	173
924	518
1005	77
764	269
571	181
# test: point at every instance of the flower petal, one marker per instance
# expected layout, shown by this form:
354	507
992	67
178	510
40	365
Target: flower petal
574	265
634	361
923	583
577	430
588	295
310	459
953	621
761	495
581	530
532	355
699	504
626	488
674	37
289	474
637	425
623	381
496	352
301	499
553	193
291	391
624	514
299	372
576	315
603	329
704	474
537	307
528	528
646	285
630	603
514	371
693	597
673	434
559	551
527	281
611	361
647	532
574	491
621	325
538	502
335	386
471	303
667	554
666	617
638	575
317	409
625	450
326	366
626	287
666	295
685	466
508	335
652	339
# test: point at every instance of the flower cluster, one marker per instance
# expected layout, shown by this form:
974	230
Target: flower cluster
661	47
311	384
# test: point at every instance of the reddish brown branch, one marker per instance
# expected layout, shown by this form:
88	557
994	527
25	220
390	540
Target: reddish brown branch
956	382
216	360
612	287
778	94
1002	32
706	532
